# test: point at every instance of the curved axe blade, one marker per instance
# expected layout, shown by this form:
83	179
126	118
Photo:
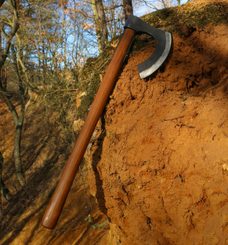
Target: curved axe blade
162	48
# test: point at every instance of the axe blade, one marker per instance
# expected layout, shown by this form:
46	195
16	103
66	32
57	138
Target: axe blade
162	48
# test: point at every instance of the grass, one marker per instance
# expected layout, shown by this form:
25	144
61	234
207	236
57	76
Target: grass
90	80
189	15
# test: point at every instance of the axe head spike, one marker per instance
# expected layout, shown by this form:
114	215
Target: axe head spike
162	48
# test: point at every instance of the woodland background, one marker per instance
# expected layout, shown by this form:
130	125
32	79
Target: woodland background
44	46
156	168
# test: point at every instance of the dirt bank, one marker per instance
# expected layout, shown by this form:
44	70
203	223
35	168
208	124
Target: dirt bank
163	162
43	155
158	171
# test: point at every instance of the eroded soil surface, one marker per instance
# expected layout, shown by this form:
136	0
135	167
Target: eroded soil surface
44	155
164	159
158	171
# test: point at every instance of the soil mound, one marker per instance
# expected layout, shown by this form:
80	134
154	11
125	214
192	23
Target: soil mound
163	165
156	170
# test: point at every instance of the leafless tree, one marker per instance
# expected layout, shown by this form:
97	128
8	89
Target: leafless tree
1	2
100	24
127	8
156	4
4	192
5	95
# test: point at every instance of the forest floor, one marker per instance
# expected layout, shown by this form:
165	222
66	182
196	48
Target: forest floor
158	171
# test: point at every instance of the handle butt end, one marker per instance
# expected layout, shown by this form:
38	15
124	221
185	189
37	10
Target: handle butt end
50	218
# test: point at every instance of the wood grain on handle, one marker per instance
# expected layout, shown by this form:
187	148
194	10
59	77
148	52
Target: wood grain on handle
58	199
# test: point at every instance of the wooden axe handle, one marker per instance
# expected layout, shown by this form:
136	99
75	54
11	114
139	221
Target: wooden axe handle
58	199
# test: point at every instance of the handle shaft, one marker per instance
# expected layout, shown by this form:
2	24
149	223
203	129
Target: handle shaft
58	199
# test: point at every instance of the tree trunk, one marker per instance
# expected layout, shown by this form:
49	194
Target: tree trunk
3	189
14	28
3	78
17	150
127	8
17	117
44	72
18	122
100	24
1	2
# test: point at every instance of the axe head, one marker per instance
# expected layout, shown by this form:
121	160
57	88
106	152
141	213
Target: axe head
162	48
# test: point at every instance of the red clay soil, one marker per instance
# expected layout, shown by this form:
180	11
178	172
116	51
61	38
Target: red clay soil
164	160
42	150
159	169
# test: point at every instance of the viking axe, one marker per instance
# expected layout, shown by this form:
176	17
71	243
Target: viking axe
133	26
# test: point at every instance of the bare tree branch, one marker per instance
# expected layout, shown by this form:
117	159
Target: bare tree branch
15	26
1	2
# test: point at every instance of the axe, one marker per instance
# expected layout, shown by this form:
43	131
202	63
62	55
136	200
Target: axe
133	26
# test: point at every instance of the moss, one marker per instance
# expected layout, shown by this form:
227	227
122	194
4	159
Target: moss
87	100
90	80
189	15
